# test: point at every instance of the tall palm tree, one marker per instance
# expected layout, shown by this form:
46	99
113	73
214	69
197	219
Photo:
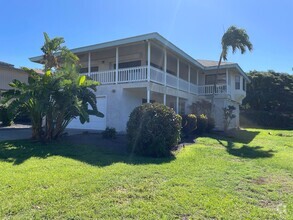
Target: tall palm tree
236	38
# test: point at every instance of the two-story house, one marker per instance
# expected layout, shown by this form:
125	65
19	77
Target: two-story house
149	68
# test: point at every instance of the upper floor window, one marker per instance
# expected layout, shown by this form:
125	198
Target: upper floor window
215	79
237	82
85	69
128	64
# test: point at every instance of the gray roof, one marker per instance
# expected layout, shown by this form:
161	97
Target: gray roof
212	63
6	64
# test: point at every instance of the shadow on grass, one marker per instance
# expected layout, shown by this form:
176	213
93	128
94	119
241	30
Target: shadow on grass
239	136
18	152
247	151
243	137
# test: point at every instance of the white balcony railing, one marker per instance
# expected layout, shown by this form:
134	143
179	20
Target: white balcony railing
139	74
134	74
105	77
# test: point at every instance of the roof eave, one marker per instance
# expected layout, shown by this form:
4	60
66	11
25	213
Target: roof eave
145	37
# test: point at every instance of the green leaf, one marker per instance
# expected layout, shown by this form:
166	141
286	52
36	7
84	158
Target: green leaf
81	80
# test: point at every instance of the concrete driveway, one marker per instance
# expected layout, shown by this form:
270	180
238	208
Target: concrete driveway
26	133
15	134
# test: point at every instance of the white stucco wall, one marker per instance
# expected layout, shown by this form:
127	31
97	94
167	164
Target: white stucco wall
120	104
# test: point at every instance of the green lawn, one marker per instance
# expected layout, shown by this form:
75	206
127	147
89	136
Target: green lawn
247	177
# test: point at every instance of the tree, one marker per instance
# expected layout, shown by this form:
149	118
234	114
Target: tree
269	91
236	38
55	98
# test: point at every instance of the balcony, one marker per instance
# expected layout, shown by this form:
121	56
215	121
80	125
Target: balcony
139	74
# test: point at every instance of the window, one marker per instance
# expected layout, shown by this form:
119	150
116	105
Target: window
237	82
216	79
182	107
128	64
244	85
85	69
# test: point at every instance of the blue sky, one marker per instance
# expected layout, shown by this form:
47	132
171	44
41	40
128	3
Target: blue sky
194	26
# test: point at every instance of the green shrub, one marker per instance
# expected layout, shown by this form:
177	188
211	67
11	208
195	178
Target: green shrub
153	129
109	133
211	124
189	124
202	124
5	117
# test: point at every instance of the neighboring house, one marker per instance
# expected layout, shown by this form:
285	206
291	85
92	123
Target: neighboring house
152	69
8	73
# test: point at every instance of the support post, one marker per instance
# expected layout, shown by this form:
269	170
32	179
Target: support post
148	95
177	104
149	61
178	73
165	98
89	64
117	65
165	66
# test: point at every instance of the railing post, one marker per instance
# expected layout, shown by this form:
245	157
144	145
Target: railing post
149	62
117	65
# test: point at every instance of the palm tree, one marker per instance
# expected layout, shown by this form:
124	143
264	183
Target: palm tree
236	38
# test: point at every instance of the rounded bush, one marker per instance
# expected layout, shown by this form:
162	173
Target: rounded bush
202	124
153	129
189	124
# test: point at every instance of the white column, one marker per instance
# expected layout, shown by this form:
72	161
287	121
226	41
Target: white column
227	75
165	66
149	61
148	95
189	78
177	105
177	73
165	98
117	65
89	63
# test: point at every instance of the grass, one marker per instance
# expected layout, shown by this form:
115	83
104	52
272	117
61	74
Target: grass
249	176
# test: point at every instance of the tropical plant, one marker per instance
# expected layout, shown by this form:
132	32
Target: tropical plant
55	98
228	116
